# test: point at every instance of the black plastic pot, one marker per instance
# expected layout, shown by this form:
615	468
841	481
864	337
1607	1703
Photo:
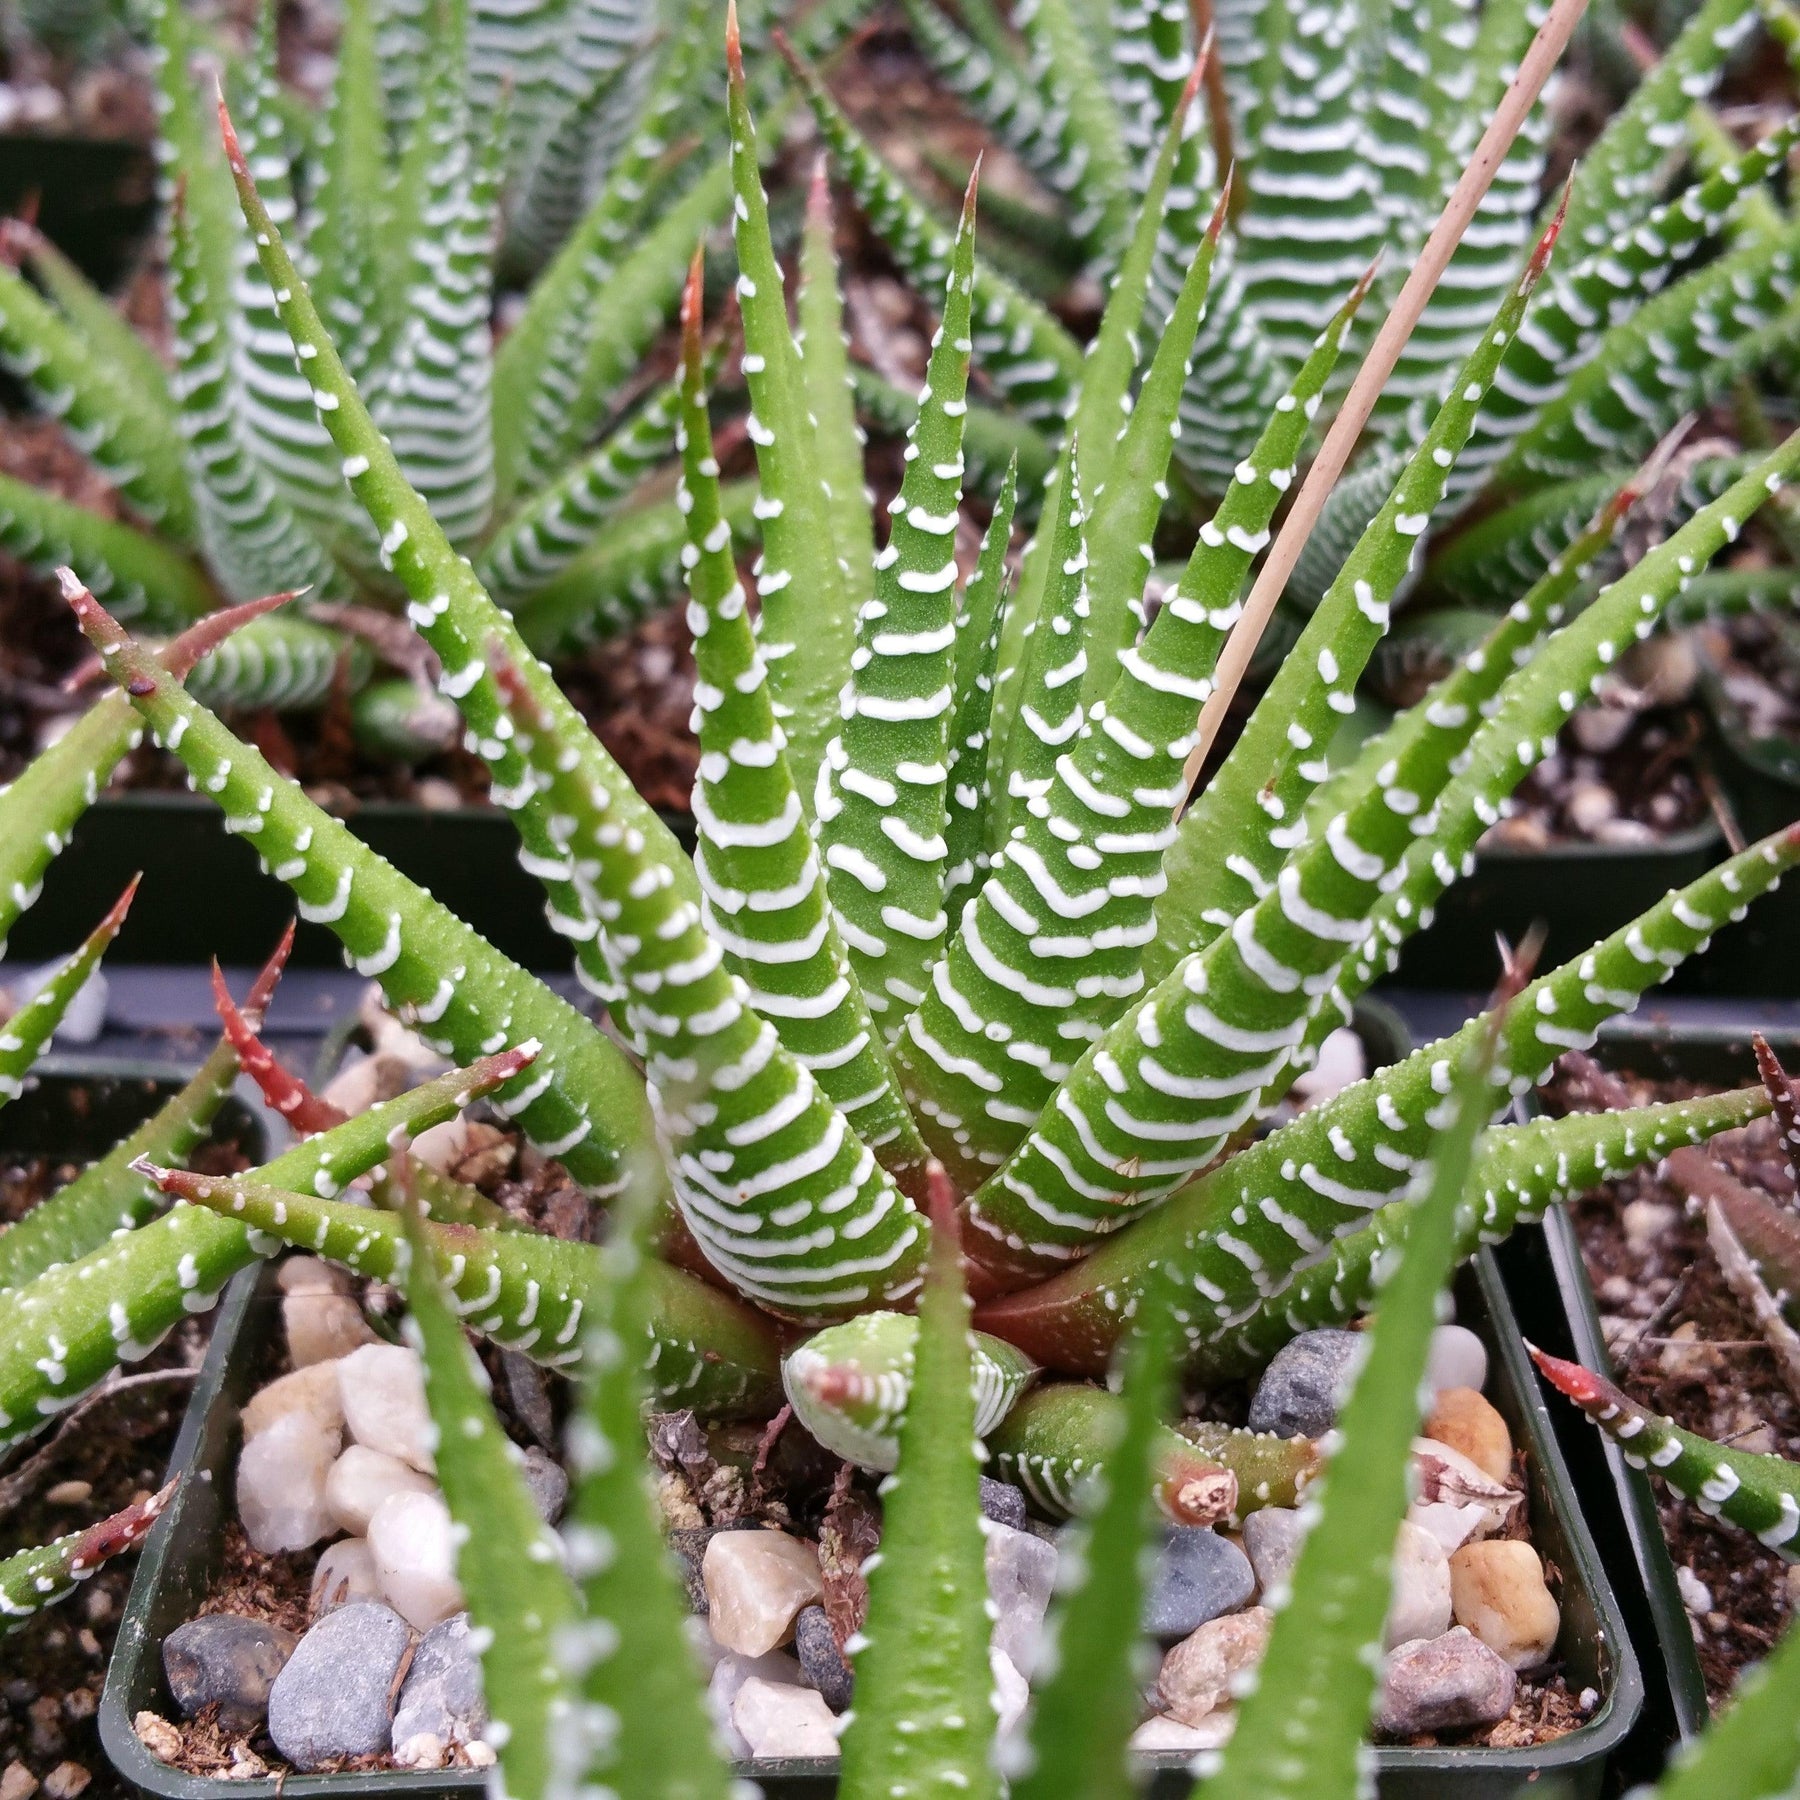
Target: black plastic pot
1556	1307
204	896
76	1108
1579	892
177	1566
1761	779
96	197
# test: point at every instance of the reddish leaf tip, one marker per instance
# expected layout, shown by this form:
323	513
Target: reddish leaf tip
115	916
228	136
1215	226
1568	1378
734	45
693	303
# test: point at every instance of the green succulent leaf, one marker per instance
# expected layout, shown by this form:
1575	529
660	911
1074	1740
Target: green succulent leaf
1327	1638
30	1028
110	1195
522	1604
34	1579
1758	1493
924	1720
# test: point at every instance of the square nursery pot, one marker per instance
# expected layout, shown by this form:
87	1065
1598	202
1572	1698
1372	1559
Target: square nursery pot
176	1567
1556	1306
75	1108
1579	892
204	896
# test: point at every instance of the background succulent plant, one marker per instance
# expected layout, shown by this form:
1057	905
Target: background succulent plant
1346	127
1757	1242
458	142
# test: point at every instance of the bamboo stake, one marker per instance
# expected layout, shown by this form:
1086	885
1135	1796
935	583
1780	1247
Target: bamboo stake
1546	48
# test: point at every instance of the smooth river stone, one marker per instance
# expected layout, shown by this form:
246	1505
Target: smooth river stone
335	1697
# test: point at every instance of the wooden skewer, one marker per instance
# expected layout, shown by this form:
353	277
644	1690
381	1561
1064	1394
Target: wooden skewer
1546	49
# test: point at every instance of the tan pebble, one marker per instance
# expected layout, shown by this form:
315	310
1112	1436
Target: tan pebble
1497	1590
1686	1357
756	1583
18	1783
156	1734
1466	1421
1197	1675
311	1275
312	1390
65	1781
70	1493
323	1327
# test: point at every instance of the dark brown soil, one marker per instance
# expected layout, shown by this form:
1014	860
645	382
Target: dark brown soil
1651	775
1705	1366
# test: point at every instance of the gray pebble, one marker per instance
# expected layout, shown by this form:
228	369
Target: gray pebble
1004	1504
1302	1389
443	1692
335	1697
1443	1683
226	1658
1273	1536
820	1658
1199	1576
549	1484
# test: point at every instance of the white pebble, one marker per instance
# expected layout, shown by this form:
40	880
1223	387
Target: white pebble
383	1390
1458	1358
281	1484
1696	1596
345	1572
776	1720
362	1478
411	1540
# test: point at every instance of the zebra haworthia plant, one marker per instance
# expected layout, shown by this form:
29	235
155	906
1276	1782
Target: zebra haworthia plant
591	1684
1077	1017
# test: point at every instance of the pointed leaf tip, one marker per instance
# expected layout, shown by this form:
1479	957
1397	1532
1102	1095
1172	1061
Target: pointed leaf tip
1196	75
734	46
1784	1099
1215	226
234	153
1540	256
207	634
693	302
1570	1379
818	193
108	927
